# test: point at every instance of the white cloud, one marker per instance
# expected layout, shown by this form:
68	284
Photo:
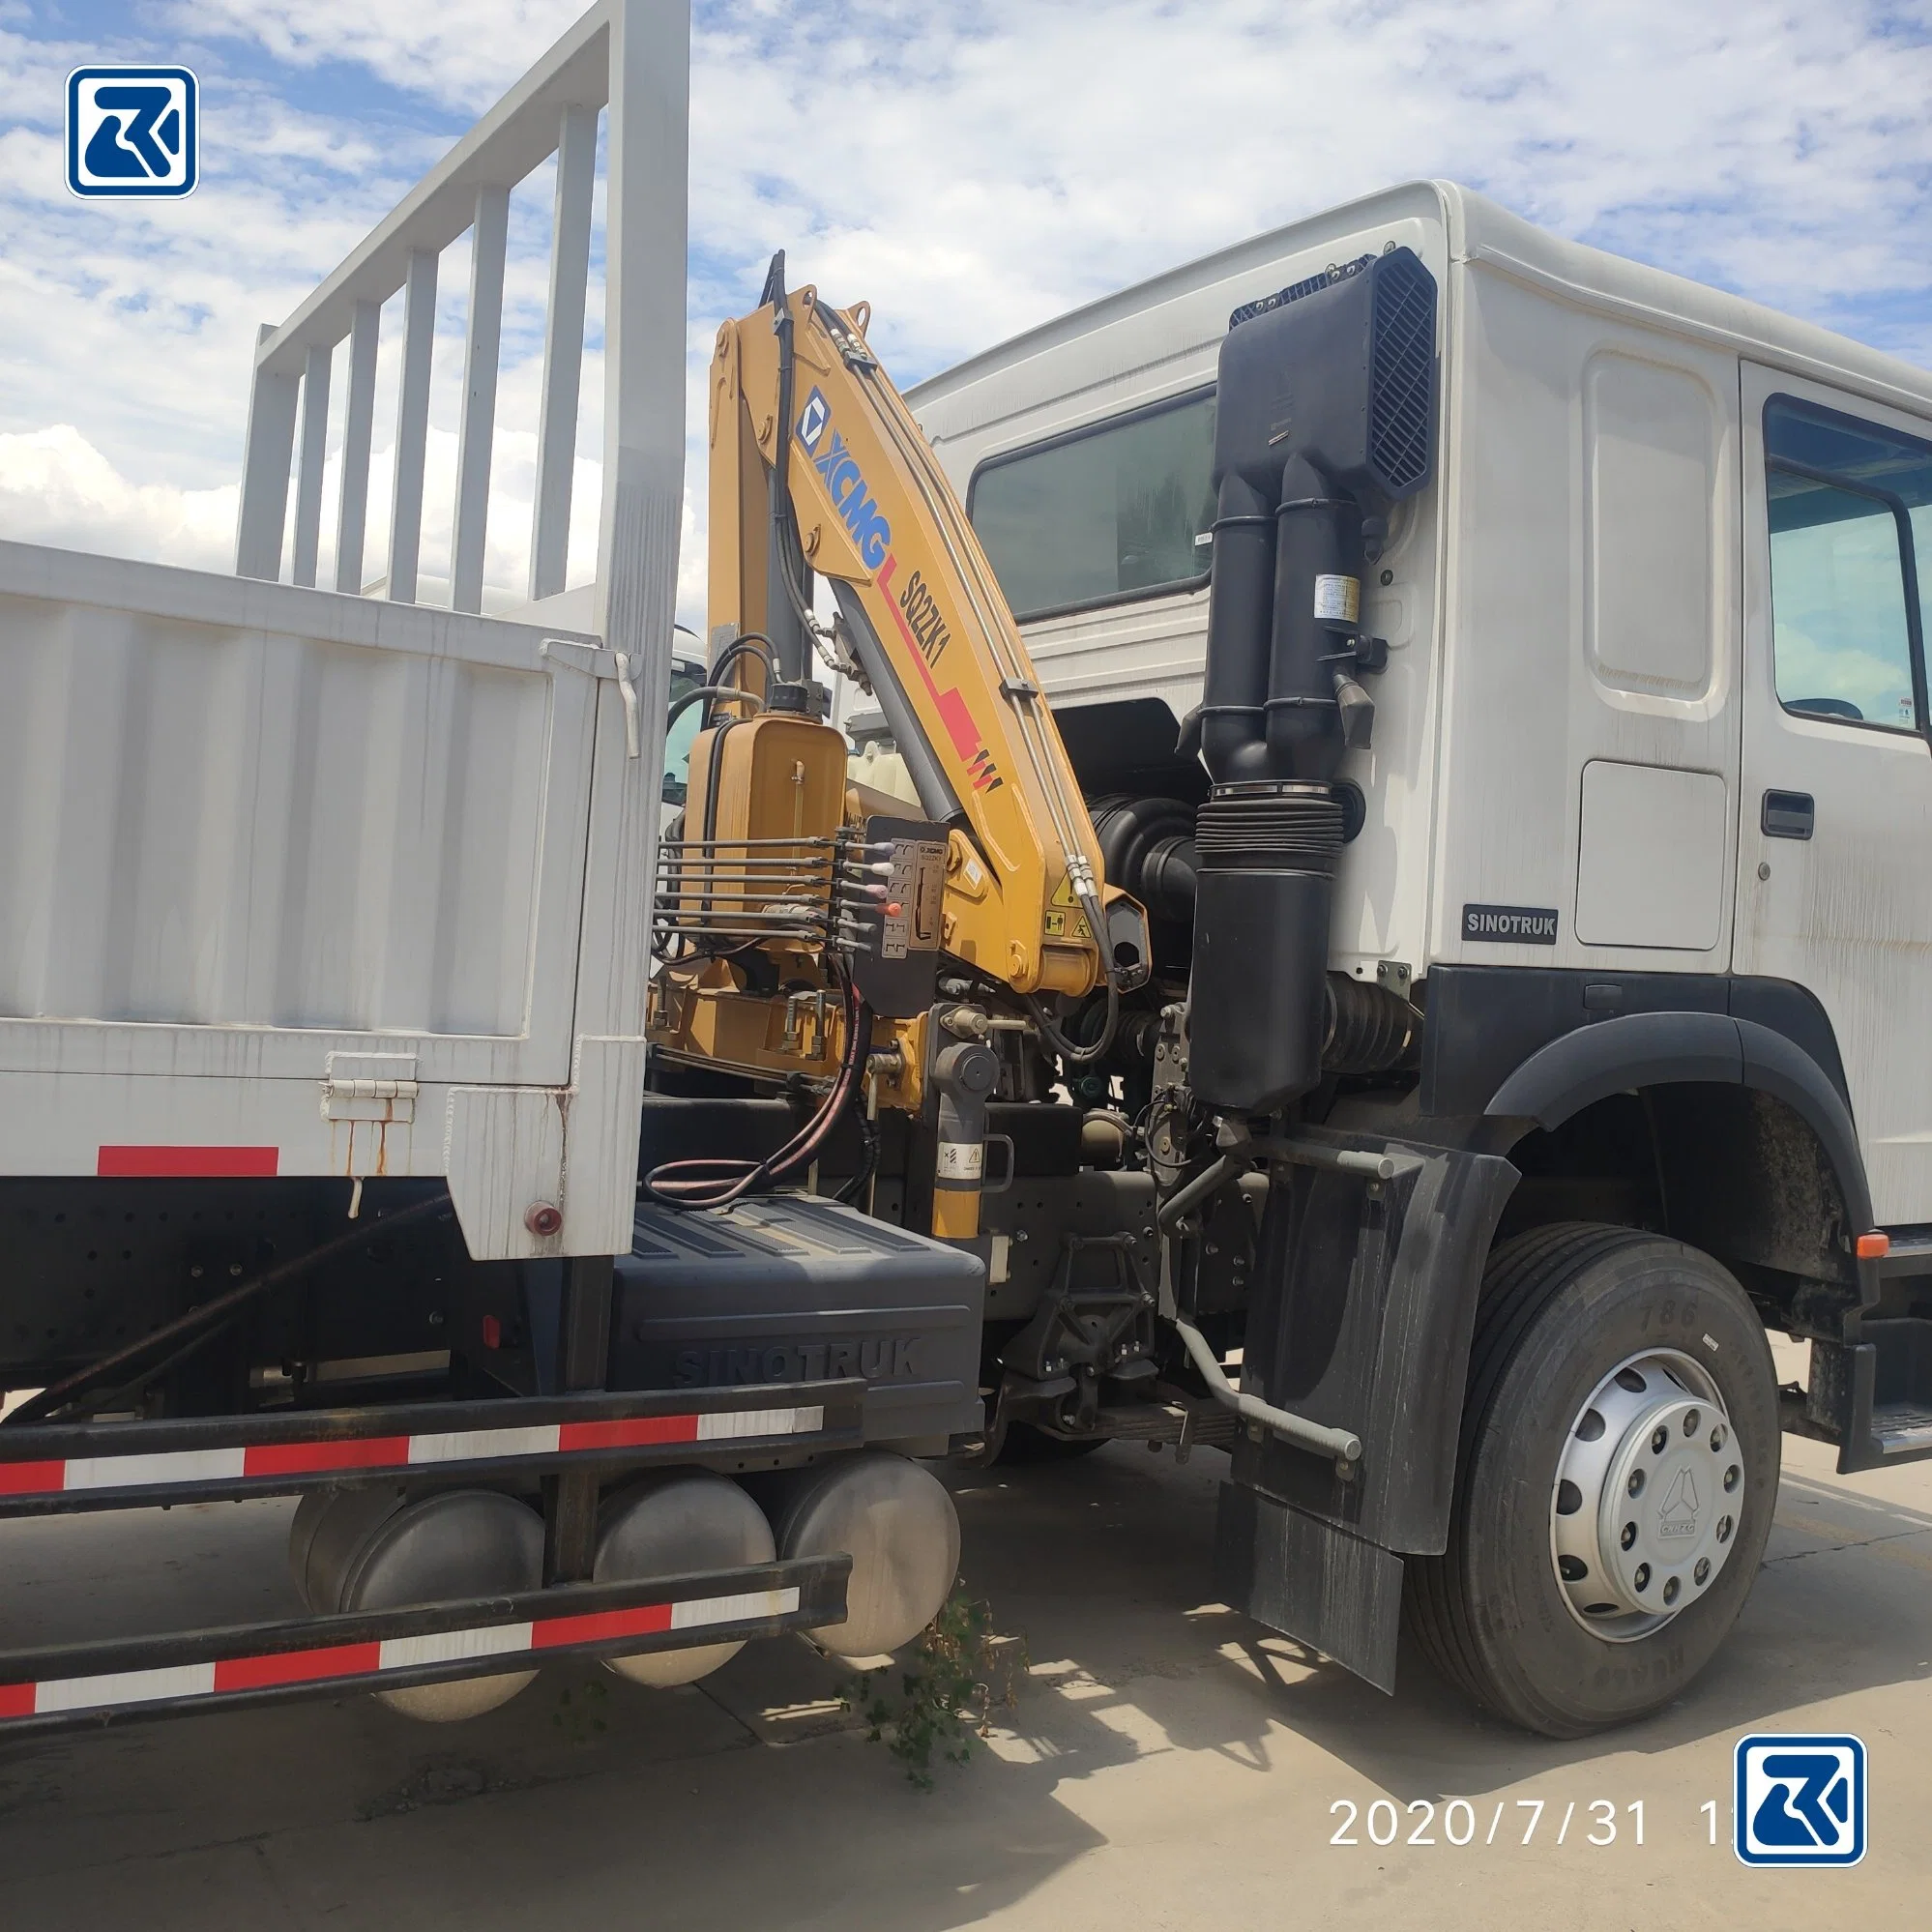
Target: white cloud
56	488
971	171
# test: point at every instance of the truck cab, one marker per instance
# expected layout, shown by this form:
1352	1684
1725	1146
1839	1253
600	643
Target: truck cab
1639	831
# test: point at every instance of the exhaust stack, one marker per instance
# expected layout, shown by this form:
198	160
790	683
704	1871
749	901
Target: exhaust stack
1326	413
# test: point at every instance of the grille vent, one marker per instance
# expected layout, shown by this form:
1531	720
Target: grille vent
1401	385
1295	290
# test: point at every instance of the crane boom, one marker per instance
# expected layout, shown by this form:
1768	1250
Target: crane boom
802	412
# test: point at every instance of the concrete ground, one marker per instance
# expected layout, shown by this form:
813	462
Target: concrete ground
1168	1764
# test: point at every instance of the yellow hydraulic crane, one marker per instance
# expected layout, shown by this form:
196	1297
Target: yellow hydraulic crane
777	898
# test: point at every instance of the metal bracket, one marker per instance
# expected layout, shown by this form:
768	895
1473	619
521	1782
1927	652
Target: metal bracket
596	660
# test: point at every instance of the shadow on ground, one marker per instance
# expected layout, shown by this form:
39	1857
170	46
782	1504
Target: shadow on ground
750	1802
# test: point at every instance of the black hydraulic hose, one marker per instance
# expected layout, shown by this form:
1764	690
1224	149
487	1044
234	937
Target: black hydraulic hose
62	1394
717	1182
752	643
1080	1056
704	693
868	1161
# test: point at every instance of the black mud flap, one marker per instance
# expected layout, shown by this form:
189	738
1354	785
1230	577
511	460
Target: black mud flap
1302	1577
1360	1317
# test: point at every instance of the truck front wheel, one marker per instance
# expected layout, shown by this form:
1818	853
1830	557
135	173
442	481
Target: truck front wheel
1615	1484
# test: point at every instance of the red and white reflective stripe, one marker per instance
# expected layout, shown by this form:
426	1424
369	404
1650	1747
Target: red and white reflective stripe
318	1458
336	1661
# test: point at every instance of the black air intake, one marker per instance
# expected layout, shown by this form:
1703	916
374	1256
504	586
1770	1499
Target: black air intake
1326	415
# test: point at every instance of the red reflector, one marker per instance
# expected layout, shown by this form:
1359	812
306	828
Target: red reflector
597	1624
627	1432
297	1666
16	1700
1874	1247
32	1478
183	1162
492	1332
304	1458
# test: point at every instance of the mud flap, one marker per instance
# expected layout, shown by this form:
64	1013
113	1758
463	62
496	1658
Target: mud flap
1360	1317
1302	1577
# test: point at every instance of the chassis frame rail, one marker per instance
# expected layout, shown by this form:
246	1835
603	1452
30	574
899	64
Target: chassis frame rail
66	1686
70	1466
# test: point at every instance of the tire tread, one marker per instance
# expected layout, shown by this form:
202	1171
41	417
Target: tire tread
1522	1276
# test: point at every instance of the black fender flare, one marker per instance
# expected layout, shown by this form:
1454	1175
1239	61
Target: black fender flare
1634	1050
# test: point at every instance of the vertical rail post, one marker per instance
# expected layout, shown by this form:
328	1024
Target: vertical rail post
412	425
308	467
269	448
639	526
563	352
358	434
490	240
583	1358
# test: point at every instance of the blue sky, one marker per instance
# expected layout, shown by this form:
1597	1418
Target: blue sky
970	171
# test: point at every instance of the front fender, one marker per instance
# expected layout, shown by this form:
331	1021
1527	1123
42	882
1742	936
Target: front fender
1637	1050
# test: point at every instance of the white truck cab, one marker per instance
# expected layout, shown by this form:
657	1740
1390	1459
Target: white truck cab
1639	833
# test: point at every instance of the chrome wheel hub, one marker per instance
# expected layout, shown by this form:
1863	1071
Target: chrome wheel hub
1647	1491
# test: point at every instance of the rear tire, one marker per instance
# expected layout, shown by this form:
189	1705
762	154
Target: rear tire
1564	1309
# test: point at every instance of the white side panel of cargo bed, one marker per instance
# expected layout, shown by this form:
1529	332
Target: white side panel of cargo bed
244	825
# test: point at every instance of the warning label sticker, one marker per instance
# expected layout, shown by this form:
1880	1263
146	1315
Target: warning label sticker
1337	600
1064	918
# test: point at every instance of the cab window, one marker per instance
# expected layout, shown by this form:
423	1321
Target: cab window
1122	509
1850	553
686	677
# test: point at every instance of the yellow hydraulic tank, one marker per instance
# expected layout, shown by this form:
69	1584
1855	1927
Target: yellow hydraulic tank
779	774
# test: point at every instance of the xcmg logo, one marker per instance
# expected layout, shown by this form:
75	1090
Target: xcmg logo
845	485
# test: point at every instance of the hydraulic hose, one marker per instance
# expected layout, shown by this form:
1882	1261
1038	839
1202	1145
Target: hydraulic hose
187	1332
717	1182
1080	1056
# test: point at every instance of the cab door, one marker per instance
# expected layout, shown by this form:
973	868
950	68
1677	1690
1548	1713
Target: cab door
1834	872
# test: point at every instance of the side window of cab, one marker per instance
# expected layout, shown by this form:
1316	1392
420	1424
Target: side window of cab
686	677
1851	552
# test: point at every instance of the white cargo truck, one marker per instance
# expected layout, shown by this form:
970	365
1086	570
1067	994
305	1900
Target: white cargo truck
324	940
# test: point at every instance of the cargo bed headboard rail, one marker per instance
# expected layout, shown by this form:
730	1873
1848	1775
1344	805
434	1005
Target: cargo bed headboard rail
630	56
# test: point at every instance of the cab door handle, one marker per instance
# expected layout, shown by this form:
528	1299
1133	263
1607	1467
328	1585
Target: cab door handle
1787	815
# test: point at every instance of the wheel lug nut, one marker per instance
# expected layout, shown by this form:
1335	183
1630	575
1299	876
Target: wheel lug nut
1659	1440
1716	1440
1691	1421
1701	1572
1642	1579
1628	1536
1731	1476
1670	1590
1723	1528
1636	1484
